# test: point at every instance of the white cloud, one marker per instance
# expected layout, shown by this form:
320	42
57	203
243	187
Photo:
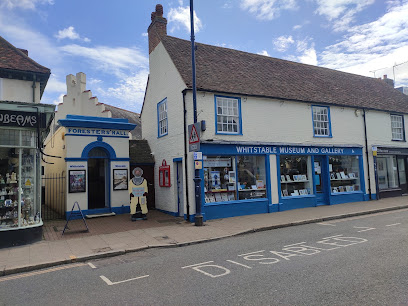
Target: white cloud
264	52
129	90
371	46
282	43
309	56
267	9
23	4
341	12
227	4
145	34
297	27
180	17
111	60
70	34
54	85
39	47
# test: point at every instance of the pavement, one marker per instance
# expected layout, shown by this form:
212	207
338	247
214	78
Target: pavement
117	235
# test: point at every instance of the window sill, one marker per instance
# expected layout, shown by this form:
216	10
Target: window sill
223	133
160	136
322	136
399	140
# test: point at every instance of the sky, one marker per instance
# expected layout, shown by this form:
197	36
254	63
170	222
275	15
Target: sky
107	40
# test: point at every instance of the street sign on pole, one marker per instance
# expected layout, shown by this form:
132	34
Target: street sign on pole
194	137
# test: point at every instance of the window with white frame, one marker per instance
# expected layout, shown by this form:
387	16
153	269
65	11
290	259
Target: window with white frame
321	121
162	117
397	127
228	115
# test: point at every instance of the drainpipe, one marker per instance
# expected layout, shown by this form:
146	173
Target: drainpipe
185	155
34	79
368	161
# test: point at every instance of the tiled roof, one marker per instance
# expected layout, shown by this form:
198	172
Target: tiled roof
13	58
231	71
139	152
131	116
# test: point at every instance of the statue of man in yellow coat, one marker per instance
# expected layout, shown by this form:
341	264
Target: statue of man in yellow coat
137	194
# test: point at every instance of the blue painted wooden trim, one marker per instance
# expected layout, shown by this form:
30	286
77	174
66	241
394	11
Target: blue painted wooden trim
268	179
99	144
239	114
279	180
192	218
236	208
256	149
295	202
329	117
76	159
96	122
177	160
158	119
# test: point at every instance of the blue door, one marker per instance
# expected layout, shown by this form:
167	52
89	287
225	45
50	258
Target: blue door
321	180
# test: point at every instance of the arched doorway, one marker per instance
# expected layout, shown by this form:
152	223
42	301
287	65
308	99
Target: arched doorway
98	178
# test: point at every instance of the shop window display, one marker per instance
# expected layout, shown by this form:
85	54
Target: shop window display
387	172
295	175
224	181
219	179
251	177
344	173
19	204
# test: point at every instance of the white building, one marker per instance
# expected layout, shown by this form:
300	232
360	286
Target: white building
276	135
24	123
92	140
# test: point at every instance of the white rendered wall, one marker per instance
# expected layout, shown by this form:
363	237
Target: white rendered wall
19	90
164	82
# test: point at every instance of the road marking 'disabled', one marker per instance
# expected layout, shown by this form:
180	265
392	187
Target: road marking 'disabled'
110	283
365	228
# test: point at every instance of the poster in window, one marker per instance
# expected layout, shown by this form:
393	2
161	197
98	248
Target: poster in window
120	179
77	181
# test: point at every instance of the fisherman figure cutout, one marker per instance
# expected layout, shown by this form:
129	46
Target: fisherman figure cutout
137	194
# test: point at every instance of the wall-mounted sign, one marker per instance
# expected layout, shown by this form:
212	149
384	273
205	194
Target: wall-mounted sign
96	132
21	119
120	179
76	166
119	166
77	181
194	137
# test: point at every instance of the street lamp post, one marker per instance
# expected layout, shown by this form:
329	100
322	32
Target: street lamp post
197	180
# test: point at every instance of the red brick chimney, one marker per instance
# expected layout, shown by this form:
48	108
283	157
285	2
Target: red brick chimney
158	28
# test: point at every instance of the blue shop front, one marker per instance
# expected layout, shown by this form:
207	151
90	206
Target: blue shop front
244	179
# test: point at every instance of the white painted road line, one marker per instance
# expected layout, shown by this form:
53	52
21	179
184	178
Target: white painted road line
326	224
393	224
239	264
110	283
91	265
199	264
365	228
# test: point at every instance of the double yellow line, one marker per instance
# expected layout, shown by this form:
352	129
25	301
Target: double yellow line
6	278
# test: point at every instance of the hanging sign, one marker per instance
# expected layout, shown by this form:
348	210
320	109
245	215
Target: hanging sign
194	137
21	119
